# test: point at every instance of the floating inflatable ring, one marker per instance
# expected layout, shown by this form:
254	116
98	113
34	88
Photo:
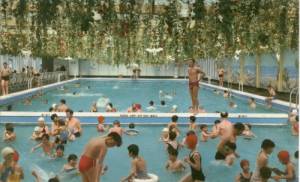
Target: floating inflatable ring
153	178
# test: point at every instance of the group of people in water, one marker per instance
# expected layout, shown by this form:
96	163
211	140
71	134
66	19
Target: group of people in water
90	165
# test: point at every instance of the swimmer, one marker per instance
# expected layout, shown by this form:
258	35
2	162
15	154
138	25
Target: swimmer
232	105
110	108
54	107
173	164
42	126
230	153
204	133
131	131
252	103
138	165
62	106
215	129
247	133
54	125
245	175
117	128
192	124
164	137
9	135
172	143
94	107
135	108
100	126
59	152
9	169
46	145
225	126
194	160
173	122
235	131
226	94
191	132
267	147
174	109
72	163
36	135
63	133
73	124
216	92
27	101
151	107
290	172
91	161
163	103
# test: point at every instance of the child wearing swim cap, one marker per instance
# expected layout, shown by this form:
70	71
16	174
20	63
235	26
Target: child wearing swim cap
194	160
290	173
100	126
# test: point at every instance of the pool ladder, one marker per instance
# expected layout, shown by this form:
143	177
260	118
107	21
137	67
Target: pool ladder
295	90
241	86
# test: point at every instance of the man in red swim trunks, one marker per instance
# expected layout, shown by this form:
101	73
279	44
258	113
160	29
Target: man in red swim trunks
194	78
91	161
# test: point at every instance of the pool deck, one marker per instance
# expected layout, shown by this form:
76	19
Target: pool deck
148	118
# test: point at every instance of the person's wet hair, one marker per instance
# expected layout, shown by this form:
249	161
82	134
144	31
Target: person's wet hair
51	109
172	135
267	143
72	157
249	126
192	119
265	172
239	126
172	151
9	108
131	125
217	121
63	101
151	103
202	126
60	147
224	114
191	132
70	111
9	127
174	118
133	149
231	145
45	136
116	137
296	154
55	179
110	105
162	102
61	122
53	116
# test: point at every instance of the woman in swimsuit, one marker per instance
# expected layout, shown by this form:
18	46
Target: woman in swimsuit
221	76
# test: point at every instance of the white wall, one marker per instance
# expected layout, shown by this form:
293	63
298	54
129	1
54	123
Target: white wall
18	62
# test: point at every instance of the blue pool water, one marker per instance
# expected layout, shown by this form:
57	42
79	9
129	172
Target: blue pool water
122	93
153	151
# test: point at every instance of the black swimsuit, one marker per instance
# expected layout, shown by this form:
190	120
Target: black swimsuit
244	179
5	78
196	174
219	156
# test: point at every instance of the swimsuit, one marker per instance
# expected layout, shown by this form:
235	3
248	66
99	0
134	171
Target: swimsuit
193	84
5	78
219	156
6	173
244	179
86	163
63	136
196	174
221	75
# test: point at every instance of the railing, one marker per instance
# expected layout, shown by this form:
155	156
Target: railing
21	81
296	91
241	86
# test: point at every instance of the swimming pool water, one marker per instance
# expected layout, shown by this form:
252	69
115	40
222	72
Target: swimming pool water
154	153
123	93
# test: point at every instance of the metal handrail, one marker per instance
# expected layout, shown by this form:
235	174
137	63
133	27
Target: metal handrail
291	94
241	86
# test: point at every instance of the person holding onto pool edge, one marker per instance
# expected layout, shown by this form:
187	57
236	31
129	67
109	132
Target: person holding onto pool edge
194	73
91	161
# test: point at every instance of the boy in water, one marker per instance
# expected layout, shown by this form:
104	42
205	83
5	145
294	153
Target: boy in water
172	142
72	163
9	134
46	145
204	133
247	133
267	147
100	126
138	165
59	152
91	161
230	153
117	128
252	103
173	164
73	123
290	172
192	124
131	131
245	175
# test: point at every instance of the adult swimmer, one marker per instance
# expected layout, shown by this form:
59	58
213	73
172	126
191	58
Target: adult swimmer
91	161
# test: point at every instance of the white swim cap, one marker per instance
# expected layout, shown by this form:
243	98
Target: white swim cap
294	111
54	105
41	119
6	151
174	106
165	130
160	91
37	128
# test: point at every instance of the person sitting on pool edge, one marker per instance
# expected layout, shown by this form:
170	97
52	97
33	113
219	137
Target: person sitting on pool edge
131	131
138	165
9	134
73	124
91	161
173	164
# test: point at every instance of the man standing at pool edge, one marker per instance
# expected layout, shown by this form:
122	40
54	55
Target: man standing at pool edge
91	161
194	78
